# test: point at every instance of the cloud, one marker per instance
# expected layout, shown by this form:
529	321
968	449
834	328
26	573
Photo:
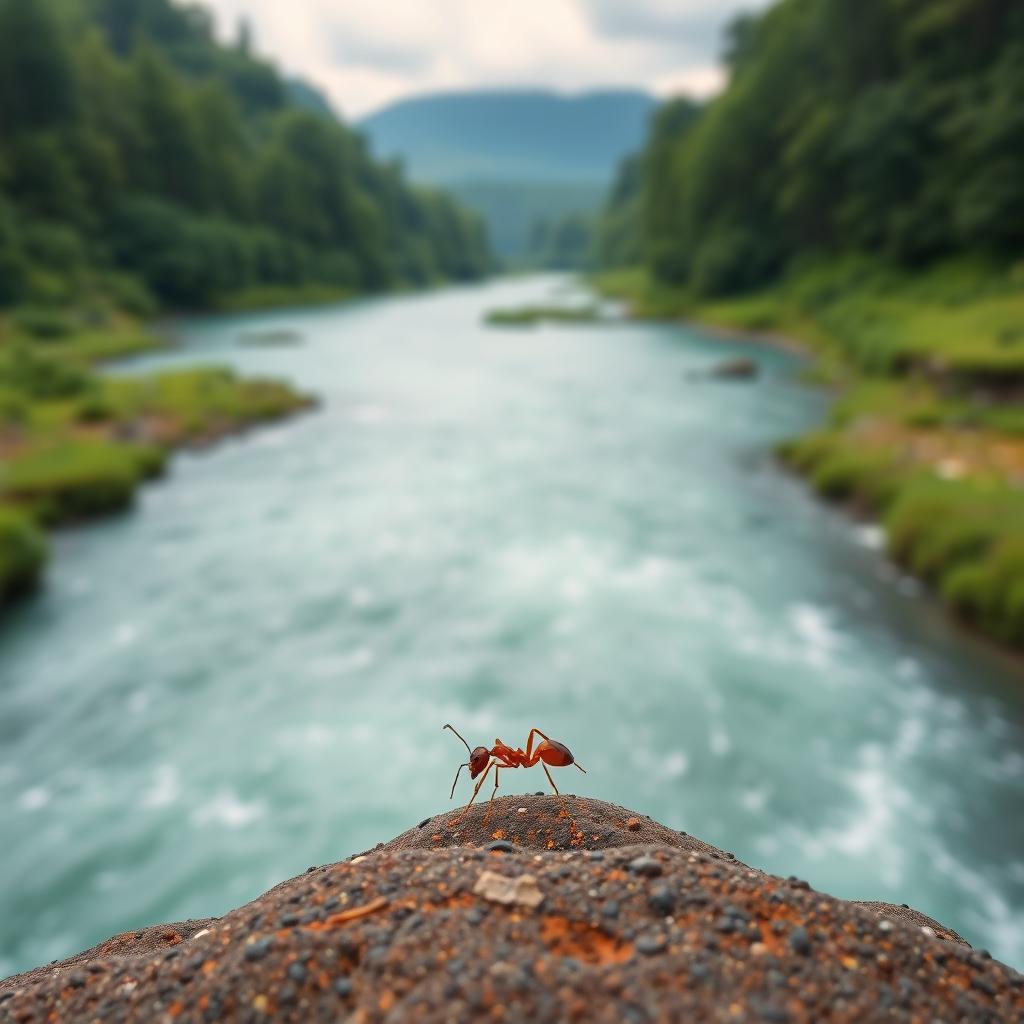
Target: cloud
365	53
696	25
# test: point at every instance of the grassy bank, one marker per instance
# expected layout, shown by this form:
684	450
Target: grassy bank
927	433
532	316
75	444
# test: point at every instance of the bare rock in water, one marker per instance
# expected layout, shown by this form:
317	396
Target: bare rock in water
736	369
589	912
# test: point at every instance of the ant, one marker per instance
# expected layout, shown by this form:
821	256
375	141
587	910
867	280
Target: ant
501	755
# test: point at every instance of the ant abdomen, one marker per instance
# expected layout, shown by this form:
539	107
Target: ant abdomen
556	754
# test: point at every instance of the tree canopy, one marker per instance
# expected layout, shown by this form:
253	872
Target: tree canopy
892	127
140	157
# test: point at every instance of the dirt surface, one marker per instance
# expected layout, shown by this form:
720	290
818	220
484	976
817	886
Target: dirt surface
532	915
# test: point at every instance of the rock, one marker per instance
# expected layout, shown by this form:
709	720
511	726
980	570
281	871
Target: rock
800	941
430	927
740	368
521	890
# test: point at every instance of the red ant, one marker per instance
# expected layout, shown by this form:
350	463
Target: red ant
501	755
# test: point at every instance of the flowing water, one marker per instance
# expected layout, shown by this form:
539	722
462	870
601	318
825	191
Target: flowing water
570	527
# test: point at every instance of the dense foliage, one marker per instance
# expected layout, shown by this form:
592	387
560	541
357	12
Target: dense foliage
886	126
143	162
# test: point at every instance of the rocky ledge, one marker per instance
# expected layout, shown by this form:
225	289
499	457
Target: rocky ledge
532	915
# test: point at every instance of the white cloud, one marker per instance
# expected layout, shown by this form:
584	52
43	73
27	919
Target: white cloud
365	53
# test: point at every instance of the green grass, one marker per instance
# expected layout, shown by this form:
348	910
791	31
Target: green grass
964	537
78	444
531	316
23	554
961	322
71	480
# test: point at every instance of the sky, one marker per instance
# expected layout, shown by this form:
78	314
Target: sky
366	53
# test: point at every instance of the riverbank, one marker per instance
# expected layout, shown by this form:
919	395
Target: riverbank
927	433
75	444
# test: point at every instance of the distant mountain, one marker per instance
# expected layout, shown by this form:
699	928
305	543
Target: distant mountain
524	160
515	135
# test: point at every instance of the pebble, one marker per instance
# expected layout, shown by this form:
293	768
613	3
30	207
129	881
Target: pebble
259	949
342	986
800	941
610	909
425	821
650	943
76	979
662	900
982	984
297	972
646	866
501	846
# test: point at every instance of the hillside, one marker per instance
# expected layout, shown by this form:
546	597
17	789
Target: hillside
516	135
520	159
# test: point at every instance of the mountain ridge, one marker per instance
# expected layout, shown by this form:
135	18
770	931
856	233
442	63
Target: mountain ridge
526	134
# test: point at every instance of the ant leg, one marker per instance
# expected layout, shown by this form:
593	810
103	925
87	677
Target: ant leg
529	742
491	764
493	791
561	799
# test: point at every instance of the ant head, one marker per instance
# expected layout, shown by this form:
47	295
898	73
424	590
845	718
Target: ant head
478	759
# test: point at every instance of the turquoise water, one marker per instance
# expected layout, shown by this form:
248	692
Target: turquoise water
568	527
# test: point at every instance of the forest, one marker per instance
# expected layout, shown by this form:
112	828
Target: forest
859	187
146	169
888	127
149	167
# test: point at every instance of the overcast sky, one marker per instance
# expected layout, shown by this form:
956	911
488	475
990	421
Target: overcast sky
365	53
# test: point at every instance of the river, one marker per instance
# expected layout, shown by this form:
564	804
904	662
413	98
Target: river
570	527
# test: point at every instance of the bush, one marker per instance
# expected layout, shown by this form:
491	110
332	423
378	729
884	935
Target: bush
849	474
22	553
41	376
991	593
45	324
94	407
130	295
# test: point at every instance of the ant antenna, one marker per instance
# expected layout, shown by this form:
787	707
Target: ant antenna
581	768
456	782
461	766
464	743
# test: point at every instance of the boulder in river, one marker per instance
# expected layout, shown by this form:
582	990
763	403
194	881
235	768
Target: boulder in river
532	915
740	368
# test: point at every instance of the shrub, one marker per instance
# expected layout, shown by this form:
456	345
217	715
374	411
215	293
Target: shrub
94	407
42	376
44	324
